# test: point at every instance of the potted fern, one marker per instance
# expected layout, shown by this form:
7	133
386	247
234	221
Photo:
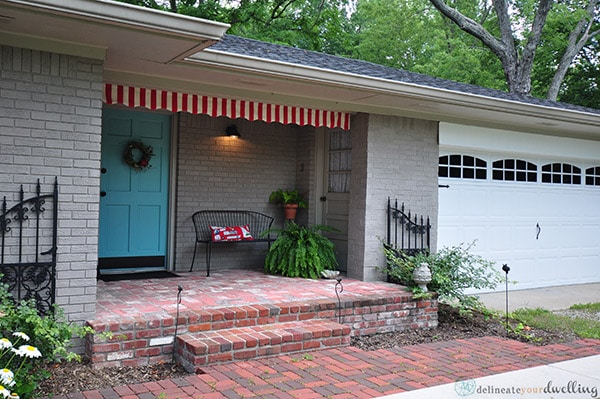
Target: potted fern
301	251
291	200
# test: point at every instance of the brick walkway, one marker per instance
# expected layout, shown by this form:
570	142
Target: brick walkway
352	373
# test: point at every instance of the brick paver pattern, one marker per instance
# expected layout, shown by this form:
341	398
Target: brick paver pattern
339	373
227	288
350	372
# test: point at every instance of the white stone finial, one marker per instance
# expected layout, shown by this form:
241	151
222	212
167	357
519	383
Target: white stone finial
422	276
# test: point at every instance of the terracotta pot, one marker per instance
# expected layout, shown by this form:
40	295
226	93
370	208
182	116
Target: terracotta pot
289	210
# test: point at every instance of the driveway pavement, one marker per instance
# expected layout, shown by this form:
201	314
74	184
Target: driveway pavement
550	298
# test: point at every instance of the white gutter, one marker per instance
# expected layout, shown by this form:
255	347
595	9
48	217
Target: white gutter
123	14
378	86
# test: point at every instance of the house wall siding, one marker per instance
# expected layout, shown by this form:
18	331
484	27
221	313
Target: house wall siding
218	172
396	157
50	125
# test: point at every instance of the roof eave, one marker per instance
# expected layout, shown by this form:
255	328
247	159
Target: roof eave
426	102
105	29
123	14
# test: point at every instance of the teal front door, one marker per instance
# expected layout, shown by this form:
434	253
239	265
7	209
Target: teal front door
133	193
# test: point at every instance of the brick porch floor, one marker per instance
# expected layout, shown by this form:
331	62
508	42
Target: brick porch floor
242	314
228	288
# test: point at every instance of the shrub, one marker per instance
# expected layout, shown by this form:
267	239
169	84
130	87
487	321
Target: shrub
50	336
281	196
301	251
453	270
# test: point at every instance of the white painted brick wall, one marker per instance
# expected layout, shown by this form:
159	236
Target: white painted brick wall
356	220
218	172
392	156
50	125
306	173
396	157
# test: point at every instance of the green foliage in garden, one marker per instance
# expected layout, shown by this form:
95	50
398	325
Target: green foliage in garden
49	340
550	321
301	251
453	270
584	327
593	307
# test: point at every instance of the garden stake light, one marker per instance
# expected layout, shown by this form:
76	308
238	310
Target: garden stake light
506	269
179	289
337	293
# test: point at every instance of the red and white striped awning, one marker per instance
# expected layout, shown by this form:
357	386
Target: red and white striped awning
216	106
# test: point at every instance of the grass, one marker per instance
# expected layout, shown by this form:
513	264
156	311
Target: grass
546	320
587	307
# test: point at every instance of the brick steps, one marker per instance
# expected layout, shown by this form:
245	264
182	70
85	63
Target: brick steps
195	350
148	338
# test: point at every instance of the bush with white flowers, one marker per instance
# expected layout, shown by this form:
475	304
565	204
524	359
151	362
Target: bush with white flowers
21	355
13	359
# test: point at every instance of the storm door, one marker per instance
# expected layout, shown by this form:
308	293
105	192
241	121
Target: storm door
336	198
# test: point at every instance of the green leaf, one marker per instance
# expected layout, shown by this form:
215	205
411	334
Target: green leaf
453	270
301	251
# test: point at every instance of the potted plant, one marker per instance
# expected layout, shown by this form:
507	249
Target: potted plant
291	200
301	251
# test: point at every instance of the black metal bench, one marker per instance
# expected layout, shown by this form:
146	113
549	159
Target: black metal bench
258	223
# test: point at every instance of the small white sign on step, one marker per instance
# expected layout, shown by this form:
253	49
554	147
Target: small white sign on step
161	341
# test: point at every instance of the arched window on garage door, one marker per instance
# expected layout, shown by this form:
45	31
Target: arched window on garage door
514	170
462	166
561	173
592	176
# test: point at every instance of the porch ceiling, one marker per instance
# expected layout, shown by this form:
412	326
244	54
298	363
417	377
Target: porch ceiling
147	48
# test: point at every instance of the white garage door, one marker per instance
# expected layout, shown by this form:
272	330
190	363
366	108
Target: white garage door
541	217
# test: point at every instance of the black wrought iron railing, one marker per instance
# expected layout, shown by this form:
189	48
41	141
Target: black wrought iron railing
28	246
407	233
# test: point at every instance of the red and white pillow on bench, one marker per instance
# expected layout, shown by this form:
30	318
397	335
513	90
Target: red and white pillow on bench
231	233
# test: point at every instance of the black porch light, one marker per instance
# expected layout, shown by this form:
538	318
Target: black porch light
231	131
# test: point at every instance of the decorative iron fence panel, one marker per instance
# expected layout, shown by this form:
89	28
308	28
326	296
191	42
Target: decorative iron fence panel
406	233
28	246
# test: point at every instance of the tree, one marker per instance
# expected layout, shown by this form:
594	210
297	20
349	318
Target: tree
545	48
384	32
586	21
318	25
412	35
521	25
582	83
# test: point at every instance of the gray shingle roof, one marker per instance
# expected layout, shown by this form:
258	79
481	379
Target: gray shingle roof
275	52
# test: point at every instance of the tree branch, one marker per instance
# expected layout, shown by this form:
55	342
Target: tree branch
504	48
578	37
533	41
470	26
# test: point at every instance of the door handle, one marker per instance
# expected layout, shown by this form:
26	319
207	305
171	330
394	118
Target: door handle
323	199
103	193
539	230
